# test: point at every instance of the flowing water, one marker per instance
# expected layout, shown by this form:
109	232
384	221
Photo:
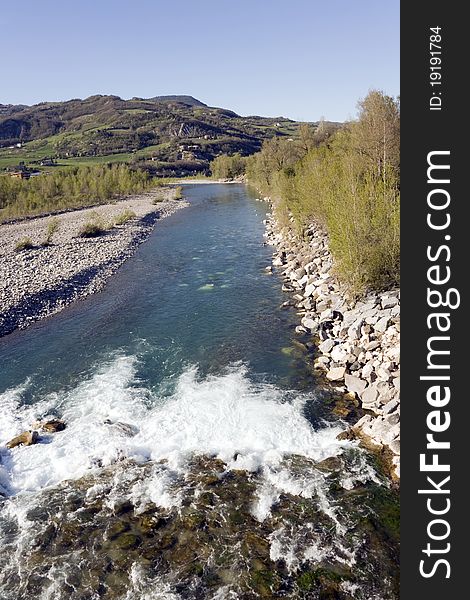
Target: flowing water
199	460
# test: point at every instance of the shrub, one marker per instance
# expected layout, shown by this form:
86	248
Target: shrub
124	217
52	228
92	229
178	193
24	244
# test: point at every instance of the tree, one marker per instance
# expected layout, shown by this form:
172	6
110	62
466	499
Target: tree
376	134
306	137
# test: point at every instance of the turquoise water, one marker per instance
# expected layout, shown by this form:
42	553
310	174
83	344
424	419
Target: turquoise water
196	293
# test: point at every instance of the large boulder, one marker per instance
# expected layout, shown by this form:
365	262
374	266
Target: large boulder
326	346
355	384
339	354
382	324
336	373
309	323
389	302
369	396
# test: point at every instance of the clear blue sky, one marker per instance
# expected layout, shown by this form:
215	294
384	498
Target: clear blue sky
298	58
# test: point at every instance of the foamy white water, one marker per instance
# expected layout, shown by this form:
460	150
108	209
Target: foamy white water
247	425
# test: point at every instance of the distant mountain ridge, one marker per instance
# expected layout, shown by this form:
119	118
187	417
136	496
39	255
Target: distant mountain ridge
189	100
164	129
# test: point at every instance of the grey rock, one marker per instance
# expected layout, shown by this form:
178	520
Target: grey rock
336	373
372	345
309	323
382	324
326	346
388	301
309	289
354	332
392	418
299	273
339	354
367	370
390	406
383	374
364	421
370	395
355	384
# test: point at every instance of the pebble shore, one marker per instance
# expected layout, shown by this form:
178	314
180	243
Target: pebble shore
42	280
358	341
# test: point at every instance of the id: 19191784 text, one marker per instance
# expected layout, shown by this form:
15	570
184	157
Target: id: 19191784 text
435	68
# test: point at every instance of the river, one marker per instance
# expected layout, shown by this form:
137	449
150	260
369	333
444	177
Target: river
199	458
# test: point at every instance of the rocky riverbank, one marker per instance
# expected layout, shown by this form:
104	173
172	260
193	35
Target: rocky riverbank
358	341
39	277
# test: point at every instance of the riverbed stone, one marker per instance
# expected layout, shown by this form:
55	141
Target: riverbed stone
50	277
354	331
339	354
382	324
326	346
336	373
388	301
370	395
355	384
309	323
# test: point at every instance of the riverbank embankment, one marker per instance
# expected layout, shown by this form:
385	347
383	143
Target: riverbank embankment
357	340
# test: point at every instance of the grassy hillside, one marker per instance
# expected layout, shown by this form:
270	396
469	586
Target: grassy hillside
169	135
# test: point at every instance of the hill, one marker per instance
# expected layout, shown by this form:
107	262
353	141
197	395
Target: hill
170	135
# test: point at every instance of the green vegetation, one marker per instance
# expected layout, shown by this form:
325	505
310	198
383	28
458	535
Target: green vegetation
52	228
92	228
178	193
124	217
24	244
64	190
228	167
169	136
349	182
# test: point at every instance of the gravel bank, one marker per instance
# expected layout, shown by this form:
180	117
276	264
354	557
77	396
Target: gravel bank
37	282
358	342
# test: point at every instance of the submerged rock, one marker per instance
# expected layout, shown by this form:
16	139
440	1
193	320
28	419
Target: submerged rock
349	435
51	426
125	428
27	438
205	541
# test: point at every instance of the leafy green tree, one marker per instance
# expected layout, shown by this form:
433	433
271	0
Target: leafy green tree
350	185
228	167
